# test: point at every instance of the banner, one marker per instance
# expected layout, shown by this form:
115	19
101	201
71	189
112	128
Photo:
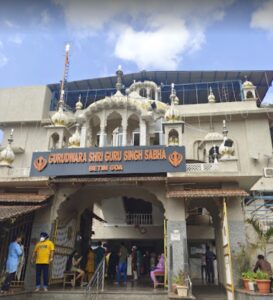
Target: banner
109	161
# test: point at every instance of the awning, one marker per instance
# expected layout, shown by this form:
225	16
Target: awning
22	198
13	211
206	193
263	185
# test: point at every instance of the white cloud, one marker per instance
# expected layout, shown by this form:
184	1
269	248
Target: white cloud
151	33
16	39
45	18
262	17
10	24
3	60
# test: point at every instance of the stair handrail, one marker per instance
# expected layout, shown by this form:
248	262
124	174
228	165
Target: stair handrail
96	283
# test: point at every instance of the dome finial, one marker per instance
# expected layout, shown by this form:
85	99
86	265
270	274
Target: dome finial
225	130
79	104
7	155
119	73
211	97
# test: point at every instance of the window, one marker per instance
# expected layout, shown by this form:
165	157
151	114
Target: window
136	138
54	141
155	139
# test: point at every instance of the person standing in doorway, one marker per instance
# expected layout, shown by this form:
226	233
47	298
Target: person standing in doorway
15	252
122	265
99	252
210	257
42	256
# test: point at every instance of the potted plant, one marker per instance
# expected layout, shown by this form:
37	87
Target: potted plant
249	280
181	285
263	282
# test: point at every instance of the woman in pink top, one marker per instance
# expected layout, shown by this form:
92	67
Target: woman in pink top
160	267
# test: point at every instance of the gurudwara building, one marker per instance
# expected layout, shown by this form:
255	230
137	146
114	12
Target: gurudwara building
167	161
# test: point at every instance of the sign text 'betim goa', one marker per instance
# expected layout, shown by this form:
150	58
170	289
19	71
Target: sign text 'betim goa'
111	160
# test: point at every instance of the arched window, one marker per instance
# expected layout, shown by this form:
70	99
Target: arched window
249	95
143	93
54	140
173	137
152	94
214	153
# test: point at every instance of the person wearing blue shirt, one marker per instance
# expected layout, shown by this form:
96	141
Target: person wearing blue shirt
14	253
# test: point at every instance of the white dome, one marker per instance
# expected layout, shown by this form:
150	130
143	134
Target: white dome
7	156
75	140
79	105
248	84
226	151
173	114
59	118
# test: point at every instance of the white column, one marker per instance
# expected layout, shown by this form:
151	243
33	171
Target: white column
102	134
83	135
143	132
124	131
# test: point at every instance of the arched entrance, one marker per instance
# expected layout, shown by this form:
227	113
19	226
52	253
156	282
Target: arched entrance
112	214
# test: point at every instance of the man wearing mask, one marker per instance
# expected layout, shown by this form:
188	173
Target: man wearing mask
15	251
42	256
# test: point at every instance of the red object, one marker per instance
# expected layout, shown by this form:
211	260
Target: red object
246	286
263	286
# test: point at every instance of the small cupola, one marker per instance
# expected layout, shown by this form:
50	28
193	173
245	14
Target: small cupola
249	90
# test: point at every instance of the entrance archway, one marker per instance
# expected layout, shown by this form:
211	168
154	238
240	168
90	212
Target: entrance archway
132	214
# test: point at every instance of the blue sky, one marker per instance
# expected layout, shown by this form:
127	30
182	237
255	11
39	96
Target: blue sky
142	34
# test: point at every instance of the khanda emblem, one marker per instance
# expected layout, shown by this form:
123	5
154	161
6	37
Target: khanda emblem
175	159
40	163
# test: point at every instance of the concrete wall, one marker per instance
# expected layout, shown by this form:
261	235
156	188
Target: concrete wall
24	104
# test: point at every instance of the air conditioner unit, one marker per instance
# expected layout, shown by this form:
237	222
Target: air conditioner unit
268	172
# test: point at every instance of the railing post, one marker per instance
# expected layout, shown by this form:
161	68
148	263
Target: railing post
103	274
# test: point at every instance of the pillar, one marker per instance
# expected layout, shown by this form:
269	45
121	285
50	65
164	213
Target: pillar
143	132
176	236
237	230
41	223
124	131
102	135
83	139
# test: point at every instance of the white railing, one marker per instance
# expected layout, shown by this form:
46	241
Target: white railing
139	219
202	167
19	172
96	283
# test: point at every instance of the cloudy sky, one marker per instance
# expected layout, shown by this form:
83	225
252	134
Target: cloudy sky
142	34
137	34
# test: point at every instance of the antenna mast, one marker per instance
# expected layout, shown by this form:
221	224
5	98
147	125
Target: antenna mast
65	75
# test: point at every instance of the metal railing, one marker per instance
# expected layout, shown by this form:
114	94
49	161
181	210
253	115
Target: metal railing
201	167
189	285
139	219
96	283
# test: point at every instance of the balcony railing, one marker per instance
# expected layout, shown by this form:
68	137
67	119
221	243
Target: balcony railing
139	219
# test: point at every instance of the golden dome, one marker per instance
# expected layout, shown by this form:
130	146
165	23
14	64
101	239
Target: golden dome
173	114
248	84
211	97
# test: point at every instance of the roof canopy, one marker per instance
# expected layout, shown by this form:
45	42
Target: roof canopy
191	86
